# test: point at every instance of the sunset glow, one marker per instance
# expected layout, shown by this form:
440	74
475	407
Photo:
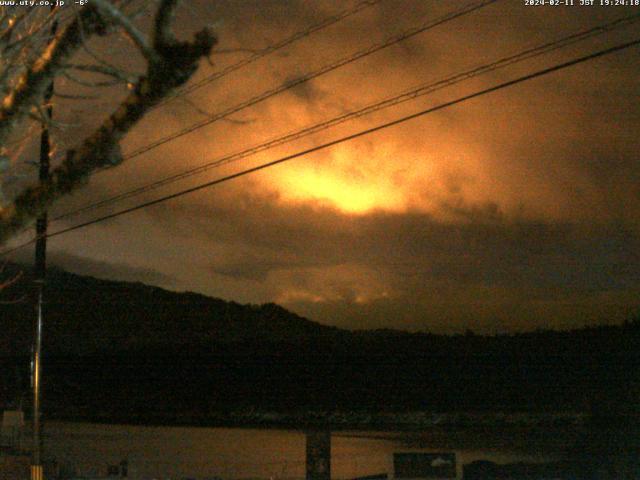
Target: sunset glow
351	180
257	239
351	197
512	210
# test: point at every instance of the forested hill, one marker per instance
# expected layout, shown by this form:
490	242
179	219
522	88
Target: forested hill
131	343
89	315
86	315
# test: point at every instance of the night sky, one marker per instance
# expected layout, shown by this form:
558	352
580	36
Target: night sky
513	211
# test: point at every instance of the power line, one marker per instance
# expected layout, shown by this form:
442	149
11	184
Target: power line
327	22
327	68
391	101
310	76
347	138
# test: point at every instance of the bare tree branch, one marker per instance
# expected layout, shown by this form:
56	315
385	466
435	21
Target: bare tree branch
105	70
88	83
7	283
32	84
68	96
20	299
162	34
237	50
172	64
11	281
135	35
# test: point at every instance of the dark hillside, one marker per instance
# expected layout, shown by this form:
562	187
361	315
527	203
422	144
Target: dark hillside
131	352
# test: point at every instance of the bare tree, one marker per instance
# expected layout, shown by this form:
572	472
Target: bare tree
30	59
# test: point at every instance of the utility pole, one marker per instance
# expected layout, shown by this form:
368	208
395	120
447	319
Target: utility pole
318	455
40	274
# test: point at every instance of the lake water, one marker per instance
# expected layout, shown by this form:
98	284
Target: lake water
232	453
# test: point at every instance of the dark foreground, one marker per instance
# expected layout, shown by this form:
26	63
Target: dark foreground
510	451
127	353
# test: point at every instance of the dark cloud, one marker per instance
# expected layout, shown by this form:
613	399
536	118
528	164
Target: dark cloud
111	269
108	270
516	210
342	269
306	92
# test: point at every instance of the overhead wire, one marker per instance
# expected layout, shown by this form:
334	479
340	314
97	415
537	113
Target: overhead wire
325	23
459	100
393	40
386	103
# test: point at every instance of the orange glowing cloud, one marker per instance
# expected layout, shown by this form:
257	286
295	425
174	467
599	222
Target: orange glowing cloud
350	180
393	175
332	188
